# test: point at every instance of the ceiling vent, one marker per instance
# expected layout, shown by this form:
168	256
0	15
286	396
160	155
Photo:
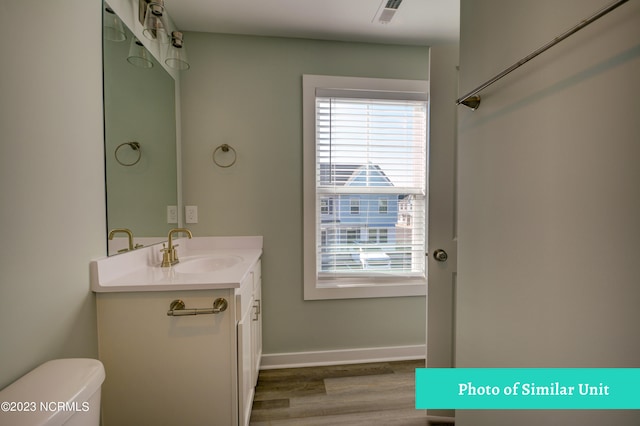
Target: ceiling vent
386	11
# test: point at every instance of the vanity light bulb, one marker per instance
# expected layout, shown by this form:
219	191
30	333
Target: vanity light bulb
139	55
155	26
112	27
176	56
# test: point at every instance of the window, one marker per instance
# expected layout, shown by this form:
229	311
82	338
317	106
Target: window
383	206
353	235
382	236
365	143
355	206
326	206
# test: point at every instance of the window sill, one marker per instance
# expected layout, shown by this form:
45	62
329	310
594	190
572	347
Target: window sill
340	289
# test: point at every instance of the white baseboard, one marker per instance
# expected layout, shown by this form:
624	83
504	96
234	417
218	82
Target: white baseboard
342	356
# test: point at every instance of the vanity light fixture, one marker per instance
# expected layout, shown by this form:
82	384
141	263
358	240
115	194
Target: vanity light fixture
113	28
154	18
176	57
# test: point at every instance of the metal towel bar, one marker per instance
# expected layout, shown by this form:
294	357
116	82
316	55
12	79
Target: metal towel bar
472	100
177	308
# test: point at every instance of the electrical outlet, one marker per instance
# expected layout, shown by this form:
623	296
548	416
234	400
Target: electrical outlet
172	214
191	214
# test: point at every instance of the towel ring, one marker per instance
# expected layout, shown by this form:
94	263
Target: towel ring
225	148
134	146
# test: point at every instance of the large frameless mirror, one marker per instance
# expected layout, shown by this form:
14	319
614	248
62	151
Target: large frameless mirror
140	140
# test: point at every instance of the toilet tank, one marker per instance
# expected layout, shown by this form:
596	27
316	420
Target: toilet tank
58	392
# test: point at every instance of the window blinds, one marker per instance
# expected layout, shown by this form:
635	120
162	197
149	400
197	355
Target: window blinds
370	183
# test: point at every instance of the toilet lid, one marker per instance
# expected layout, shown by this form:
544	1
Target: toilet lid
51	393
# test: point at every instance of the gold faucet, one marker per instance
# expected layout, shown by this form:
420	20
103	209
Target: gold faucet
169	254
126	231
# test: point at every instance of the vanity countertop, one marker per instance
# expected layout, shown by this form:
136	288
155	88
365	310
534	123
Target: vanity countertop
206	263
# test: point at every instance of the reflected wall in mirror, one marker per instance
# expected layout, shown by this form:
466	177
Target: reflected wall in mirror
140	143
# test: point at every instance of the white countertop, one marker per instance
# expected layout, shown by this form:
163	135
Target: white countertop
140	270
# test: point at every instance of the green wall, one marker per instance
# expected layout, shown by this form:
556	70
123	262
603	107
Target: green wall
247	92
51	181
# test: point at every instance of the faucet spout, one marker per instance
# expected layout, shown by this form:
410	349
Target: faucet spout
175	231
170	254
114	231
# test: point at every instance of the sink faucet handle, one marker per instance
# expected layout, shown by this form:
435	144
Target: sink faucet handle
166	256
174	254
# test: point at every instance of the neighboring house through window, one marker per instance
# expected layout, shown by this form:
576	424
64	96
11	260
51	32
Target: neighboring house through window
365	144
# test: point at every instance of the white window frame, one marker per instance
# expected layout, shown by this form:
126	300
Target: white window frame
344	289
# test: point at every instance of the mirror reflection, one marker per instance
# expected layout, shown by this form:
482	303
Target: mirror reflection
140	141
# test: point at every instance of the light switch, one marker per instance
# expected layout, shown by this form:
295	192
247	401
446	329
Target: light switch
172	214
191	214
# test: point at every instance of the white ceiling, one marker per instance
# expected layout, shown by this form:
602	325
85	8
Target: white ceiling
416	22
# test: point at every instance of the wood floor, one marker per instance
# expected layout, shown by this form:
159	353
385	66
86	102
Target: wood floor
369	394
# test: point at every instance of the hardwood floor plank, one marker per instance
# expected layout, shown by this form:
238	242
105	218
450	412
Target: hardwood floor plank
407	366
351	402
377	384
398	417
286	388
271	404
322	372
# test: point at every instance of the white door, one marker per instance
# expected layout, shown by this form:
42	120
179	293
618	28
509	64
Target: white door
442	221
549	205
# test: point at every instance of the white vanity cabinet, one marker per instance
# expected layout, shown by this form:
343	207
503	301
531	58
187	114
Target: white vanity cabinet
180	370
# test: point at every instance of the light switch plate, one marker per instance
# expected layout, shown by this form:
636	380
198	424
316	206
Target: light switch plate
191	214
172	214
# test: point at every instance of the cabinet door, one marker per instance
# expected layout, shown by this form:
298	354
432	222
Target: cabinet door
256	325
166	370
245	366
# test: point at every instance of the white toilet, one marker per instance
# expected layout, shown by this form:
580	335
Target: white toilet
59	392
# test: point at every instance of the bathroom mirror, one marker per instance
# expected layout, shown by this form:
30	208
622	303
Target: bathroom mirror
140	141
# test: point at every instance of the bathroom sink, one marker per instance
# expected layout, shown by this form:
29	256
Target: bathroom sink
206	264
